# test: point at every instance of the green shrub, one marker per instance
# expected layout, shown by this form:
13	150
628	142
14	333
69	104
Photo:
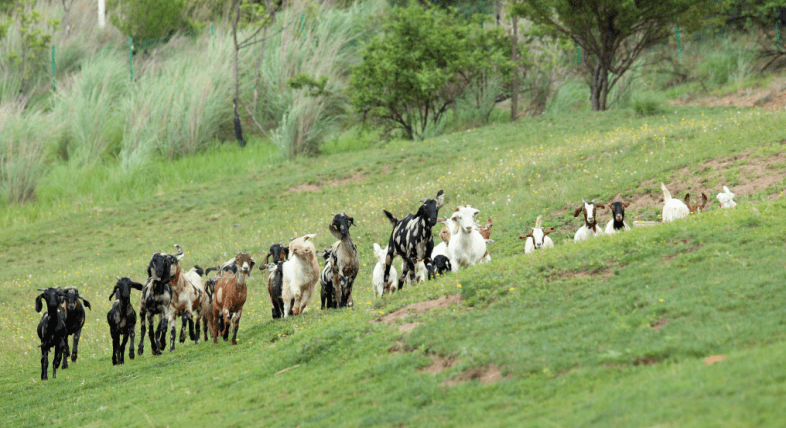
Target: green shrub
148	19
647	104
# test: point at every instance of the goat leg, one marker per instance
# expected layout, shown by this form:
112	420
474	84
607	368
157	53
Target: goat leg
131	333
44	362
65	355
123	349
115	345
236	322
153	334
141	349
191	327
58	356
196	337
183	329
172	337
77	335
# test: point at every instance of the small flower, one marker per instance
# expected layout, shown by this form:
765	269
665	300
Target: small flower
661	300
511	288
458	285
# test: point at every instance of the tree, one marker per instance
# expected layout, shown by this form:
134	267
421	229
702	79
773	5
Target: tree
410	75
34	41
148	19
613	33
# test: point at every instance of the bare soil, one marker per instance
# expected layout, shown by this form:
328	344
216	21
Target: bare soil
714	359
602	273
771	97
485	375
660	324
309	187
419	308
438	364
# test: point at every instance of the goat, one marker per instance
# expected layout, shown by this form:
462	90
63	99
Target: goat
279	253
590	227
442	248
617	222
122	319
327	294
206	314
74	320
230	296
537	239
51	329
300	275
673	208
696	208
157	298
344	260
725	198
411	237
439	266
188	298
378	275
467	247
275	284
485	231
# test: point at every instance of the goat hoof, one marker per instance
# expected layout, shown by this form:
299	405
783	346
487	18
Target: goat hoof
131	355
73	357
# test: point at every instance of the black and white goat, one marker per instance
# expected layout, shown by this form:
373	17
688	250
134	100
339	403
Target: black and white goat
439	266
617	222
157	298
411	238
74	320
51	329
344	260
327	294
275	283
279	252
590	227
122	319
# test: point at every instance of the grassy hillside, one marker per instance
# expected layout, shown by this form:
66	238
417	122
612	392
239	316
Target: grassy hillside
611	332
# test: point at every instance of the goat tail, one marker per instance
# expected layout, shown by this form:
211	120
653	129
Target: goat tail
726	190
393	220
538	221
207	272
666	194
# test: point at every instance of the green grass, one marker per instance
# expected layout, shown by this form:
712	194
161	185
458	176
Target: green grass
571	329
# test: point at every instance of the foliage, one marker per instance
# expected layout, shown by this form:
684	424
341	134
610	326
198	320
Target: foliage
411	75
617	34
463	8
148	19
34	40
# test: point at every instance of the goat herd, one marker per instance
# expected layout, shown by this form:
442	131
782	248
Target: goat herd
292	275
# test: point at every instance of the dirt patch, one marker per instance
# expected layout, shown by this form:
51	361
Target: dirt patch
485	375
714	359
598	273
438	364
419	308
771	97
646	361
358	176
406	328
660	324
398	346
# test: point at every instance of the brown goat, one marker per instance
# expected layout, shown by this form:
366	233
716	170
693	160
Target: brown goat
696	208
230	296
485	231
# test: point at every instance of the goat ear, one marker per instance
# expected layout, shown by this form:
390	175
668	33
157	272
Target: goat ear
38	303
626	205
549	230
703	199
578	210
284	255
113	293
310	236
475	213
687	199
136	285
87	304
351	221
440	199
267	256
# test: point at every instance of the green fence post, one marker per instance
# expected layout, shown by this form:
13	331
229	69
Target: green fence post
212	39
679	43
303	25
53	68
578	55
131	56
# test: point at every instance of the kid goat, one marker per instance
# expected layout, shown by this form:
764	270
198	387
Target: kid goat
537	239
725	198
590	227
299	275
617	222
74	320
122	319
467	247
230	296
411	237
378	276
51	328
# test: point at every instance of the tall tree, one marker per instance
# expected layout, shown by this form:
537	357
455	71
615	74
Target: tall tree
613	33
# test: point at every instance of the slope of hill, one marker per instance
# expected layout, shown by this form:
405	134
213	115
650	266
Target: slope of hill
609	332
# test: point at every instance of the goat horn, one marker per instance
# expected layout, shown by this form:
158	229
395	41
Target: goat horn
180	252
333	214
343	212
43	289
582	200
118	278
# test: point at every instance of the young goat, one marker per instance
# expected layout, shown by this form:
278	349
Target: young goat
344	260
673	208
192	296
696	208
156	300
51	328
411	237
725	198
300	275
122	319
440	266
275	284
378	276
327	294
617	222
74	320
467	247
537	239
590	227
230	296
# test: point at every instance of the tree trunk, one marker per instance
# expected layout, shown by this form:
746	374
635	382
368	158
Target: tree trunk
599	87
236	99
514	78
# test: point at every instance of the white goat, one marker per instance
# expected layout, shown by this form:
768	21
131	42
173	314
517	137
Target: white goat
537	239
378	276
590	227
672	208
725	198
467	247
300	274
617	222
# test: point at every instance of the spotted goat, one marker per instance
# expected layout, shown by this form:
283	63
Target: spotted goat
327	293
411	238
344	260
122	319
157	300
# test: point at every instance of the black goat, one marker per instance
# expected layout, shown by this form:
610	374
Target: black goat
412	239
275	282
51	329
617	222
327	295
122	319
438	266
74	320
156	300
279	252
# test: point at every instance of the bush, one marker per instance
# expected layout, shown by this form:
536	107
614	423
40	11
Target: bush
148	19
646	104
